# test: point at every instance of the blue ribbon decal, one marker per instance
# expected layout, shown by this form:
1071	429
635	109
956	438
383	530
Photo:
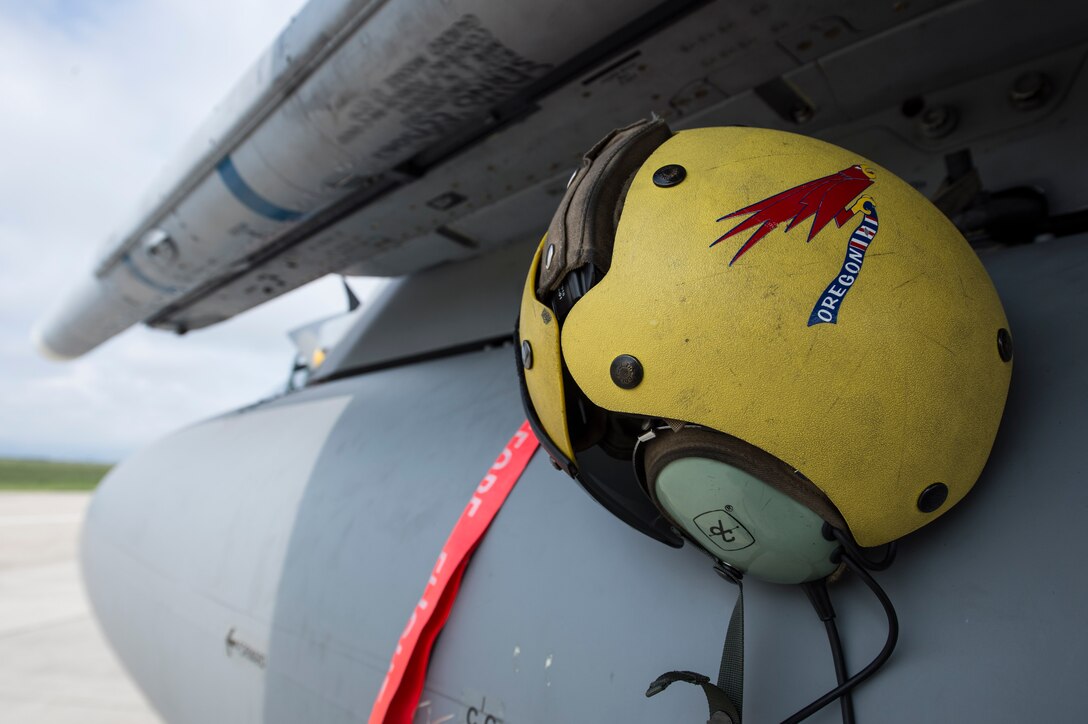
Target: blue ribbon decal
827	306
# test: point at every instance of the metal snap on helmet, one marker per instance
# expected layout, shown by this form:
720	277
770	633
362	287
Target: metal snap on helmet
776	308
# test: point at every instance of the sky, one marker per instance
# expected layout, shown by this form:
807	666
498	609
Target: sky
95	98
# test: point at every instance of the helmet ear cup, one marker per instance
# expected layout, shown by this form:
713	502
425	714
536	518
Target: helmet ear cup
690	441
740	504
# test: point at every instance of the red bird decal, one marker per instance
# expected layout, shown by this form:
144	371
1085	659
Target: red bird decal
827	198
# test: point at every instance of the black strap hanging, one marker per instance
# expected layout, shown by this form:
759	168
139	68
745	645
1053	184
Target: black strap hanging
726	699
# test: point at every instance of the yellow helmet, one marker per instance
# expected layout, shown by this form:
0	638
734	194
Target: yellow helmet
771	302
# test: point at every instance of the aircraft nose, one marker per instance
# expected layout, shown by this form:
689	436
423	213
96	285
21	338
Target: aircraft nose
183	549
145	566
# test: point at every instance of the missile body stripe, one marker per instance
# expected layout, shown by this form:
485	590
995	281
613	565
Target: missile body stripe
250	198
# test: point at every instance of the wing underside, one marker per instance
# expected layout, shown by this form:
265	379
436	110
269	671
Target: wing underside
384	138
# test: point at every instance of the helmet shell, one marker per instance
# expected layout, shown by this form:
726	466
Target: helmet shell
903	389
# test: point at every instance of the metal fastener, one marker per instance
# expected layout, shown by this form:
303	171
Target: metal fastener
669	175
626	371
932	497
1030	90
159	247
938	121
526	355
1004	344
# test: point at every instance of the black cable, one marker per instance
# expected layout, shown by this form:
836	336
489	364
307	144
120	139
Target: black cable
821	601
884	562
847	542
846	701
889	645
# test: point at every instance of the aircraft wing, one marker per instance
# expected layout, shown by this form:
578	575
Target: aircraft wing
385	137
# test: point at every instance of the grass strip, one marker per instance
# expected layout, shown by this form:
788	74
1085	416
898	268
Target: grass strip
28	475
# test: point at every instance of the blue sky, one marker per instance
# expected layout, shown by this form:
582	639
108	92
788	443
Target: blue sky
96	98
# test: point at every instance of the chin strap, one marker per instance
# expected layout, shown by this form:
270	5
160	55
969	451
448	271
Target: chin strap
726	699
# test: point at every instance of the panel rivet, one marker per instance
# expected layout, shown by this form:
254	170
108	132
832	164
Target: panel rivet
932	497
1004	344
1029	91
526	355
669	175
938	121
801	114
160	247
626	371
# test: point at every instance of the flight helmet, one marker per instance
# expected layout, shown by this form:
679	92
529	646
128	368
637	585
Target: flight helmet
761	343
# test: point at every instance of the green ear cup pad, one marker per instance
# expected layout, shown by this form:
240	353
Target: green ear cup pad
735	515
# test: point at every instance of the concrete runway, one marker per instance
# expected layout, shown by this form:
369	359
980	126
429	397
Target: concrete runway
55	666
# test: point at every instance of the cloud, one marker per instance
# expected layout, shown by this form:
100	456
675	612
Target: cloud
97	98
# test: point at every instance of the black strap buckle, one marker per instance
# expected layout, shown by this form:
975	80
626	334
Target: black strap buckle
670	677
726	699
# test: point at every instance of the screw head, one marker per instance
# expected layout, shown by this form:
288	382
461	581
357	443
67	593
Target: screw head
1004	344
626	371
526	355
937	121
801	114
669	175
1029	91
932	497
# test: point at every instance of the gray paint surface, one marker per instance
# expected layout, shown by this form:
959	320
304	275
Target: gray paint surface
434	310
565	614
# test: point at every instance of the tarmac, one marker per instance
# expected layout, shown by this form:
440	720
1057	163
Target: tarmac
55	666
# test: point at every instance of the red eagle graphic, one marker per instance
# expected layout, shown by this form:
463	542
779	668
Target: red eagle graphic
827	198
